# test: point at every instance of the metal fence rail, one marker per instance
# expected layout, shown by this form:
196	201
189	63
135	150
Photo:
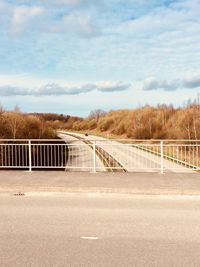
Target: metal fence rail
101	155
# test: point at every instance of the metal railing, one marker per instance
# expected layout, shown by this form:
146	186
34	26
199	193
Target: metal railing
101	155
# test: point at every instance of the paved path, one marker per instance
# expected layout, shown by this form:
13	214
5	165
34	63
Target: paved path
133	183
131	158
90	231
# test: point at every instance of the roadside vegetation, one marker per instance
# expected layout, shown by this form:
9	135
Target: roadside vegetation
161	122
147	122
18	125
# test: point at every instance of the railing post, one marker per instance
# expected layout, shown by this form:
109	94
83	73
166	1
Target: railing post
29	153
161	157
94	156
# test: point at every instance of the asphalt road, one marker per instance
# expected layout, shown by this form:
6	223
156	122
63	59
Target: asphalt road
131	158
98	230
80	156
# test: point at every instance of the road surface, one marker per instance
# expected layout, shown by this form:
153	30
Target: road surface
146	183
132	158
80	156
94	230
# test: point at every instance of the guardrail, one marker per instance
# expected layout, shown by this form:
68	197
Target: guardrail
100	155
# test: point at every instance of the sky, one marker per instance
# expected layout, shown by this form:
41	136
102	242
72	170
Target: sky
75	56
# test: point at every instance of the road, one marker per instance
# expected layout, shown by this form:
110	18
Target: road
80	156
132	158
97	230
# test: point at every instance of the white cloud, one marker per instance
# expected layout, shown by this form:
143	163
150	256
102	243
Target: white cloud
2	6
160	42
112	86
152	83
22	15
179	15
190	80
76	22
64	2
69	2
54	89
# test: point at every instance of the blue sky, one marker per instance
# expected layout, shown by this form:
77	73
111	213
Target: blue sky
73	56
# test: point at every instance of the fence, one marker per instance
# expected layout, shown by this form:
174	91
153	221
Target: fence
101	155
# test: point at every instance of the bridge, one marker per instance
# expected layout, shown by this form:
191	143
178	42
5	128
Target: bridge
80	152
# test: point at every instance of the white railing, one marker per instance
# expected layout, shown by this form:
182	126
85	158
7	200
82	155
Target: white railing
101	155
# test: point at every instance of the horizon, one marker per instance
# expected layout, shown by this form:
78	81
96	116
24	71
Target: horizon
72	57
184	105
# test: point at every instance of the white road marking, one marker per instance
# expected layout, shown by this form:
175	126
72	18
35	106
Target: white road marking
89	237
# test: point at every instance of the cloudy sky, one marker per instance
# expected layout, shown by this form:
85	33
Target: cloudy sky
73	56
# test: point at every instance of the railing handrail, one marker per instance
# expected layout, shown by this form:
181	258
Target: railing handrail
37	154
91	139
45	140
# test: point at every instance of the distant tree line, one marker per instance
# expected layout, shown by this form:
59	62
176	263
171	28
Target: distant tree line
17	125
147	122
161	122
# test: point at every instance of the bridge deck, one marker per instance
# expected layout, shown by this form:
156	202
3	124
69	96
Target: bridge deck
77	182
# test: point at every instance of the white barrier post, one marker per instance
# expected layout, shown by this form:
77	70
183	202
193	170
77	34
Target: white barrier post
94	157
29	153
161	157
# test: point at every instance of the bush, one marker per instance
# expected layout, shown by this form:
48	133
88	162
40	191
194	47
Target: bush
105	124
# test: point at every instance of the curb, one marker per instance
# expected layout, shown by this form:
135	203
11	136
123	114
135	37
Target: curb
99	194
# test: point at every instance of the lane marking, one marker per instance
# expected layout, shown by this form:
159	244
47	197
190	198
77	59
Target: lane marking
89	237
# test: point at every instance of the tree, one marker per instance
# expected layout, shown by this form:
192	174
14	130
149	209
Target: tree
14	122
96	114
1	109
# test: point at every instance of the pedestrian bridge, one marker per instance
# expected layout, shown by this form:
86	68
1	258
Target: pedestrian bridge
79	152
